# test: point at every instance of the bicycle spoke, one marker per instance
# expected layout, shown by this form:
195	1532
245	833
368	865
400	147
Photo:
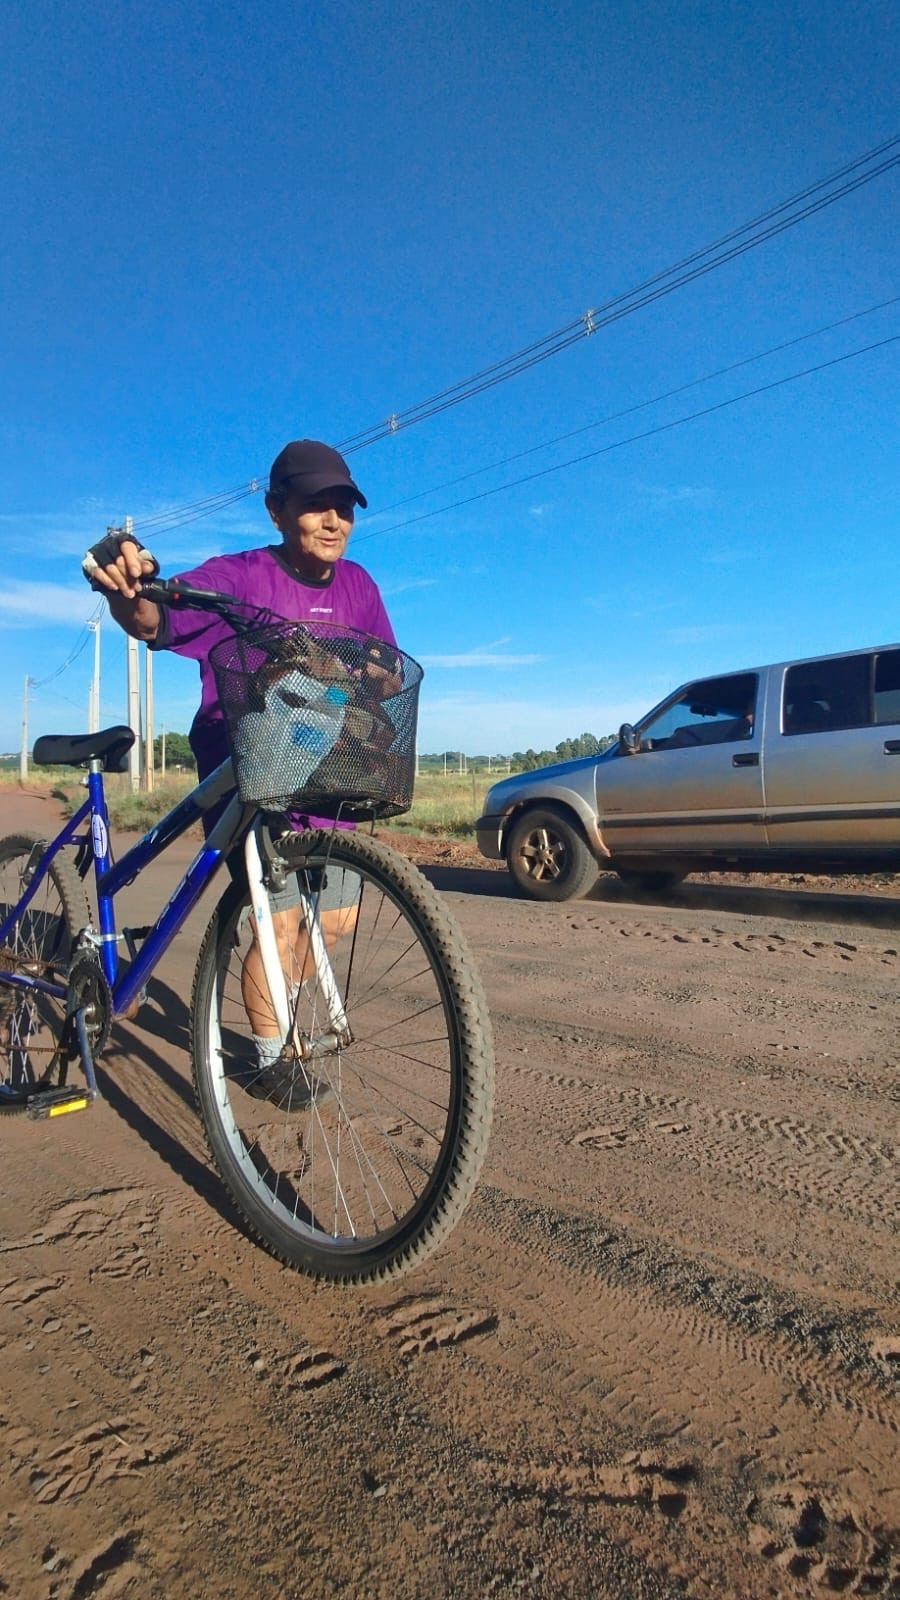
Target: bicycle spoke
351	1153
38	944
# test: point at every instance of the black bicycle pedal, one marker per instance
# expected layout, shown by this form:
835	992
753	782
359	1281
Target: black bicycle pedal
56	1102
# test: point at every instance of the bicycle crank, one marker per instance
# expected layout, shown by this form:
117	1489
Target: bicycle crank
85	1032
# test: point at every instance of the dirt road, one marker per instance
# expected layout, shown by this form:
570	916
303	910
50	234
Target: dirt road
658	1358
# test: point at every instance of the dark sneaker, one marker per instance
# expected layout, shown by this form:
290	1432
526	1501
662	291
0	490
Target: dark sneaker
287	1084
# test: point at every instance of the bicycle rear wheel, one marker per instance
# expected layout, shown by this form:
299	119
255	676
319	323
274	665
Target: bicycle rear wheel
39	944
363	1163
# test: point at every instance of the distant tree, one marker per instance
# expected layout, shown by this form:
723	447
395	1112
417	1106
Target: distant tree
178	751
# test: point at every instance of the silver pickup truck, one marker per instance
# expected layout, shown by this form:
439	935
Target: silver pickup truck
792	767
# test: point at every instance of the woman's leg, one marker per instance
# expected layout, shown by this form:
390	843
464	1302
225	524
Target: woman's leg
295	957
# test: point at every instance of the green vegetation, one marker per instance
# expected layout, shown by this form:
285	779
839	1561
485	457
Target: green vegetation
443	806
494	767
449	791
178	752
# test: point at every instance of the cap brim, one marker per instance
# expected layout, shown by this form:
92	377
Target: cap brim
314	486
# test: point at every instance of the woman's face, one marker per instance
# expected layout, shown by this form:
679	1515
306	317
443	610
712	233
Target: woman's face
315	530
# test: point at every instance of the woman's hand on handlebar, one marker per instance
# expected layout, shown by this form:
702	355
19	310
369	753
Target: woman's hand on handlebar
116	566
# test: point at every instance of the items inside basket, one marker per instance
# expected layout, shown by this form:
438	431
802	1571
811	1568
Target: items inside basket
322	715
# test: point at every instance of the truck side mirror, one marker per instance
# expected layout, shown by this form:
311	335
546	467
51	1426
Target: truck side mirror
629	742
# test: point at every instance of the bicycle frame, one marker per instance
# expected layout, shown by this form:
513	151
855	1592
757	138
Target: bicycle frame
111	877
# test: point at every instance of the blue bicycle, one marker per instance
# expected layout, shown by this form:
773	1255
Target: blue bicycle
340	1038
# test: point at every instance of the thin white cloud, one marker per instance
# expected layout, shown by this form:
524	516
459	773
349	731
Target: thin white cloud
62	534
23	603
653	609
401	587
485	655
703	632
663	495
56	535
480	659
726	556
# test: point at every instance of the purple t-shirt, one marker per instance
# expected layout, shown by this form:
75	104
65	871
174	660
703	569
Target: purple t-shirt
263	578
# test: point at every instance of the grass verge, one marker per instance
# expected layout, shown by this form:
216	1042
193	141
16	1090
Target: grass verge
444	807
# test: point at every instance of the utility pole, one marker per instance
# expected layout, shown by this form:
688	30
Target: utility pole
94	695
23	751
134	714
148	714
134	697
162	754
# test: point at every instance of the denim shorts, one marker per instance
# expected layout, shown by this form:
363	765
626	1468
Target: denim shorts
339	888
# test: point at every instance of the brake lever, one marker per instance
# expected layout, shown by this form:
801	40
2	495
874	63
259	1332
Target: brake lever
173	593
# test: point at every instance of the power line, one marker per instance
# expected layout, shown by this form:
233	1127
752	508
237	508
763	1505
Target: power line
178	516
75	652
648	433
767	226
738	241
641	405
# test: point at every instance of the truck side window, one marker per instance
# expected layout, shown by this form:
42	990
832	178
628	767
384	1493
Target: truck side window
820	696
712	711
887	686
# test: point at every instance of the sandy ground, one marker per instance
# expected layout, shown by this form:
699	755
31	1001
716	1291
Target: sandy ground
657	1358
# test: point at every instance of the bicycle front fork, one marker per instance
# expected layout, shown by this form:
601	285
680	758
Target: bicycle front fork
338	1032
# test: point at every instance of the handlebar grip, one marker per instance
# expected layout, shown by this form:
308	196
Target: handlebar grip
172	592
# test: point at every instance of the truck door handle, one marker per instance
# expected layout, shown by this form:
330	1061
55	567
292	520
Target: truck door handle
892	747
751	758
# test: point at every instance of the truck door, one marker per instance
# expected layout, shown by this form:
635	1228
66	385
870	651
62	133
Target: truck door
696	781
833	765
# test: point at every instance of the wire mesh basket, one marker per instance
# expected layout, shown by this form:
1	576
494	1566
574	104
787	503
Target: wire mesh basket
321	717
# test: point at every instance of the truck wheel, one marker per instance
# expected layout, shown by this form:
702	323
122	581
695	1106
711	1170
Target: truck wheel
549	858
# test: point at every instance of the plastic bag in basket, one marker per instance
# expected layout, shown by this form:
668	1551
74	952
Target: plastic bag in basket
278	748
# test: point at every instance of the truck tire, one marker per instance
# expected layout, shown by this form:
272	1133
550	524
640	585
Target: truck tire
549	857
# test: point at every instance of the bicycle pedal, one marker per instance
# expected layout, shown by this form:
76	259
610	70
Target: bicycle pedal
57	1102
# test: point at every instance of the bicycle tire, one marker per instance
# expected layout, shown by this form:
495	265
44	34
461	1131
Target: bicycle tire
41	940
364	1184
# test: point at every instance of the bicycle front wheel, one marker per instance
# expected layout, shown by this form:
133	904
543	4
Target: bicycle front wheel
355	1156
38	945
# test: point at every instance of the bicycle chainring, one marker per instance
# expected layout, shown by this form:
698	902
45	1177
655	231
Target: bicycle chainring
88	989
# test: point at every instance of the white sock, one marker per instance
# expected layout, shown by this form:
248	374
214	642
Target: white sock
267	1050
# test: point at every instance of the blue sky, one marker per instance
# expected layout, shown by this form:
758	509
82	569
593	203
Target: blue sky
226	226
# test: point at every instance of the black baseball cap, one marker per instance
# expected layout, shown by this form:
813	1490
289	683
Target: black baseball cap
309	467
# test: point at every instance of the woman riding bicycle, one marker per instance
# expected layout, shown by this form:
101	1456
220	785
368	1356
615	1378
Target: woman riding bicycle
311	500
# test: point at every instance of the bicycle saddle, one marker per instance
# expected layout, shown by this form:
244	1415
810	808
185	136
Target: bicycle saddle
74	749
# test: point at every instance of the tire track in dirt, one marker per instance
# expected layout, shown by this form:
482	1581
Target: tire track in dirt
824	1352
854	1175
663	1369
615	1490
648	1340
752	942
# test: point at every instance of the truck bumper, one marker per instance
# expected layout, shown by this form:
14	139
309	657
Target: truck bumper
488	836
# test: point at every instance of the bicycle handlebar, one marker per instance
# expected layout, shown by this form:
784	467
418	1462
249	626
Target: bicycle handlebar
172	592
243	617
354	653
